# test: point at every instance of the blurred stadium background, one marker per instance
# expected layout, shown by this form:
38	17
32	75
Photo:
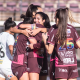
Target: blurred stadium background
14	8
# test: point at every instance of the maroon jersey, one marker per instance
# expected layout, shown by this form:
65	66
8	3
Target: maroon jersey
38	37
20	56
65	55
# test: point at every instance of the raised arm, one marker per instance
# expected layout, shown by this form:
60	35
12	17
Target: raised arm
36	31
36	28
28	26
15	30
49	47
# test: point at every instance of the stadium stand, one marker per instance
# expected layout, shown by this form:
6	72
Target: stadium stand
16	7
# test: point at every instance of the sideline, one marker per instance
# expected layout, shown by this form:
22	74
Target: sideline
17	22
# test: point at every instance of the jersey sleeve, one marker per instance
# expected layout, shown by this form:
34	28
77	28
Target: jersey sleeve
51	38
50	31
10	40
19	25
39	26
76	36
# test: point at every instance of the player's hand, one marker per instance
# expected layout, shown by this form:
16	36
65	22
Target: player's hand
34	32
31	46
26	32
44	35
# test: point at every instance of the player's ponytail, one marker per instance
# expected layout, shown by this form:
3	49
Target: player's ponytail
71	19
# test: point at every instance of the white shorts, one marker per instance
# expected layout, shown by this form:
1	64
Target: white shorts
6	73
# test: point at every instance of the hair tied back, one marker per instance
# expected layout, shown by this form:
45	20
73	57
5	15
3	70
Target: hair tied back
9	19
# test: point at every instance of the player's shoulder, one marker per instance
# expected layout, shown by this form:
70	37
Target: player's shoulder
71	27
39	26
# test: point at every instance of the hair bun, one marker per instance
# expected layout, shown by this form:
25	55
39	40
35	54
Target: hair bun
22	16
9	19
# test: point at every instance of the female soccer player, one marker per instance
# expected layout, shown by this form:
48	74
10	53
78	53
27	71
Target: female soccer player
33	58
6	51
63	38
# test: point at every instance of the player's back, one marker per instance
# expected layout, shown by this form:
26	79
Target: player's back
5	55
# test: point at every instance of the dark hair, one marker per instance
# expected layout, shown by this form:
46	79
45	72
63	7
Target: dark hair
62	15
27	20
32	8
9	23
46	18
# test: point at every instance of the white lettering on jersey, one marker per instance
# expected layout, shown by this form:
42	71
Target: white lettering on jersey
76	70
76	34
67	57
62	70
52	29
68	60
52	38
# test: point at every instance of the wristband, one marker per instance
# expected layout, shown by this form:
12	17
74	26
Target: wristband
33	26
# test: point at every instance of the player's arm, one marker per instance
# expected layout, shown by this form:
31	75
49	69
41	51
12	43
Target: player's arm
10	43
11	49
28	26
36	31
32	40
78	43
49	47
35	28
15	30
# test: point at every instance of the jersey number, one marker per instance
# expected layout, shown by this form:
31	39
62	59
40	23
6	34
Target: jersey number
70	45
2	54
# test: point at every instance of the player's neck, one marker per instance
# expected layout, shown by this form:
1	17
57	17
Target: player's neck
8	31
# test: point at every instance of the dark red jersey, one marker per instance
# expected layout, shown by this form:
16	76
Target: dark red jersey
65	55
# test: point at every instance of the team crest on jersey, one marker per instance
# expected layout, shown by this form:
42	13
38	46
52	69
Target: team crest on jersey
68	31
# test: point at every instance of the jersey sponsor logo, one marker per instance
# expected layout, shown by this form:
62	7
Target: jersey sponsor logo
76	70
67	57
66	54
68	60
62	70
